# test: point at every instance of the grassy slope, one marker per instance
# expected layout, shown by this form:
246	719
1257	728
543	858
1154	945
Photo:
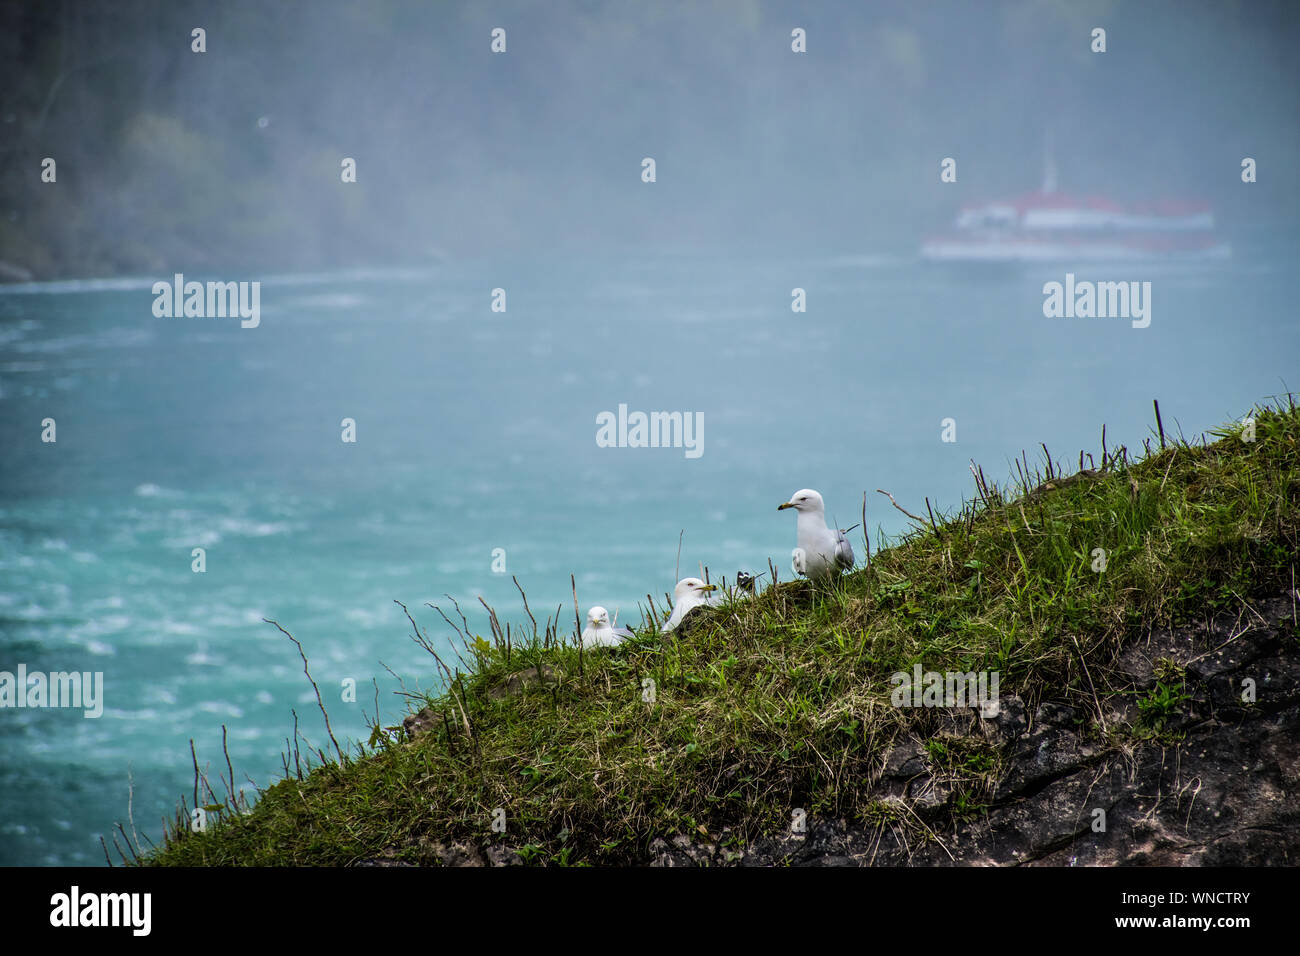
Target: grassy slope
783	701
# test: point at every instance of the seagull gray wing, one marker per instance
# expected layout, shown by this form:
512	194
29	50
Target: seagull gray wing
843	550
623	632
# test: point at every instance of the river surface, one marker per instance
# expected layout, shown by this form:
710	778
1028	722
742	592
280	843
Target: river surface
476	431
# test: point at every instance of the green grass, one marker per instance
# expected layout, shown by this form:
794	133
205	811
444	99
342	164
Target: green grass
783	702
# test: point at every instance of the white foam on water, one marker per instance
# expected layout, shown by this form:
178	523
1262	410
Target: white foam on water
332	301
222	707
128	338
69	286
363	617
253	529
205	538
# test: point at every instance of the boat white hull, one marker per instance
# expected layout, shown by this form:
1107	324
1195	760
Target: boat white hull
1014	250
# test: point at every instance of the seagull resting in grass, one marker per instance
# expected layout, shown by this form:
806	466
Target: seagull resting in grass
599	632
689	594
822	552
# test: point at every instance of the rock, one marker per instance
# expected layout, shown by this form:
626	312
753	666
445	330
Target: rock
1009	722
681	850
1041	757
1138	660
425	720
382	861
907	759
1052	714
518	682
428	719
930	793
498	855
455	853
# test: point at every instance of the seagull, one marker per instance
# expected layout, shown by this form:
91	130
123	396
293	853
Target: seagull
822	552
742	590
599	632
689	594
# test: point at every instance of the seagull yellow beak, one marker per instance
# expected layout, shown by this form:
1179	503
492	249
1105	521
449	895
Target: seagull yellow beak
788	504
709	587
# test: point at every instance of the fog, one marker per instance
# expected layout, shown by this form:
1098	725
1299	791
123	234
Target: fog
230	158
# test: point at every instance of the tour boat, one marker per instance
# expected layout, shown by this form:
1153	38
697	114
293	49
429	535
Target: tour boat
1048	226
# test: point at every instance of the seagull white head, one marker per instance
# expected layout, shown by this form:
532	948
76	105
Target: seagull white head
691	586
689	594
599	632
805	500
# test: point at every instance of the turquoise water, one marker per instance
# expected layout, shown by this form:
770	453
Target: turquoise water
476	431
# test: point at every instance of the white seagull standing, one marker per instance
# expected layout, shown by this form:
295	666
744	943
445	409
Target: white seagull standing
822	552
599	632
689	594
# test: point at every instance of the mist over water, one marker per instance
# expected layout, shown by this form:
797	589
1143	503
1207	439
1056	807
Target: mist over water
476	430
180	161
